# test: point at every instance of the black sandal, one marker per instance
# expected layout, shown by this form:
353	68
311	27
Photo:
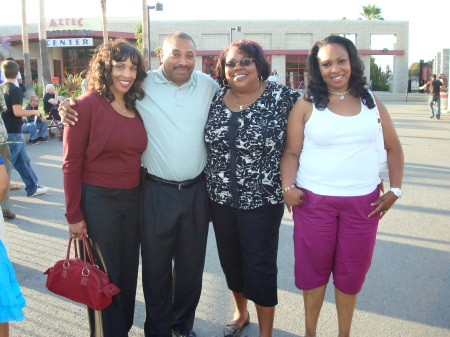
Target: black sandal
238	329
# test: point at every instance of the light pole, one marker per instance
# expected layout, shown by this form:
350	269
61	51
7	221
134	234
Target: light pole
237	28
158	7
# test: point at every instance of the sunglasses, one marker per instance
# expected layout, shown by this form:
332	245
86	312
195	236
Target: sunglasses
244	63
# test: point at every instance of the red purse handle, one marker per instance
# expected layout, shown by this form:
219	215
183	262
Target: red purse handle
86	249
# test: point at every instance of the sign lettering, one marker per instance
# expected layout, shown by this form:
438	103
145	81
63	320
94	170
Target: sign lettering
66	22
69	42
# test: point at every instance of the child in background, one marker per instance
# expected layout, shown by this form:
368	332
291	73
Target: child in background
11	299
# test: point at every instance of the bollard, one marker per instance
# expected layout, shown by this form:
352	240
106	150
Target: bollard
444	101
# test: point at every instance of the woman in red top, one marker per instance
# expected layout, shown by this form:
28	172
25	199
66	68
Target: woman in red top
102	160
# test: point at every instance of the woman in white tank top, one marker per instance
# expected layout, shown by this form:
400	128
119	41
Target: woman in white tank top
330	178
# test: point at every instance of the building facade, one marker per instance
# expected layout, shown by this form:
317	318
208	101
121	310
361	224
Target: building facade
286	43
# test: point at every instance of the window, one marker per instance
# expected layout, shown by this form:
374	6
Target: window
77	59
34	69
296	71
209	65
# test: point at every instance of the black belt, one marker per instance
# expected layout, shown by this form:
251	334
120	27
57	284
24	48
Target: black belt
181	185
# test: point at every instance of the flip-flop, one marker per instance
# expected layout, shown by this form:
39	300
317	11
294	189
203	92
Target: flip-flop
14	187
238	329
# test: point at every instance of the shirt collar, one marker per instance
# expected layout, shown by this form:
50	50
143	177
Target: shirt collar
160	78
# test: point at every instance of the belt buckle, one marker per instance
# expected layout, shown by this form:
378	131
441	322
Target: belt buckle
180	186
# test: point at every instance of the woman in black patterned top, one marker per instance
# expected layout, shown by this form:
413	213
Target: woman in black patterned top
245	135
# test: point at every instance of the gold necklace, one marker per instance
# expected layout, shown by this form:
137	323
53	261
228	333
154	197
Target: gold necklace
242	106
341	94
120	108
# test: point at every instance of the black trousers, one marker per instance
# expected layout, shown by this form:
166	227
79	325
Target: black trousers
112	219
174	232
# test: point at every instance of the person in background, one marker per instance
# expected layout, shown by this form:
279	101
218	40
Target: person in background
18	79
51	102
34	125
273	77
6	156
101	171
434	88
330	177
245	135
11	299
13	122
84	82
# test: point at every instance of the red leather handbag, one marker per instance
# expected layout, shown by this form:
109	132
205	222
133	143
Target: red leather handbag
79	280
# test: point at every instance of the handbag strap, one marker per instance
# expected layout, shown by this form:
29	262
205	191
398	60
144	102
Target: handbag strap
74	240
87	249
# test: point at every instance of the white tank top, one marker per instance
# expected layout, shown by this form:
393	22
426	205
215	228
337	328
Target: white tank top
339	156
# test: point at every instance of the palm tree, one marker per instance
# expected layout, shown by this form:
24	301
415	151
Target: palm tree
45	65
104	21
26	53
371	12
145	46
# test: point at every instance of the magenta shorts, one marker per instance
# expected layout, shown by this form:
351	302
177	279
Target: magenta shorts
334	235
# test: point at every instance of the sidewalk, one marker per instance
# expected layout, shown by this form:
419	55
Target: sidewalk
407	291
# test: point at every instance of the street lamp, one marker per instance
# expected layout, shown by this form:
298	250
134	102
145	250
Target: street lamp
158	7
237	28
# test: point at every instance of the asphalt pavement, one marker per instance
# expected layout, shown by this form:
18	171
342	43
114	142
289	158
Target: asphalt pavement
407	290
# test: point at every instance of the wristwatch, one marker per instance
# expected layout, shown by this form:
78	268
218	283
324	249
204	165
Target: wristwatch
398	192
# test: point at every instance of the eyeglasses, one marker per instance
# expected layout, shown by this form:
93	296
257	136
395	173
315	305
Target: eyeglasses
244	63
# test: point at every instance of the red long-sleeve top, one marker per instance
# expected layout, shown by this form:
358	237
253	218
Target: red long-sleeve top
103	149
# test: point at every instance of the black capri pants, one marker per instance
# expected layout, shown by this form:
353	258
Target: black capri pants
247	241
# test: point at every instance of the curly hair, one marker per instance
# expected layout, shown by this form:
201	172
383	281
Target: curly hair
317	91
250	49
100	68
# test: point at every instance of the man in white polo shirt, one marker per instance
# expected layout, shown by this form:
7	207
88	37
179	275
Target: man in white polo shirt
174	201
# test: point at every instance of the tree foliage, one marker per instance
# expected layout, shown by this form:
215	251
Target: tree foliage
380	79
138	35
414	70
4	42
371	12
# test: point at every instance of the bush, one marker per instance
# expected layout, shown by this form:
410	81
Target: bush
38	89
70	87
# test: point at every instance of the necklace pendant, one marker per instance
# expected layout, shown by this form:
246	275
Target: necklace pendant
241	107
341	97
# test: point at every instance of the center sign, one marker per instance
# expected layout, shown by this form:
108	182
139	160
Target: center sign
80	42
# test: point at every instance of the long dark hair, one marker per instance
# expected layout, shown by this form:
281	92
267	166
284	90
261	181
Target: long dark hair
250	49
100	68
317	92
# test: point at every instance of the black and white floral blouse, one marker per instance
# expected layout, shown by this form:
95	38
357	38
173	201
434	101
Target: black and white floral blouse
244	148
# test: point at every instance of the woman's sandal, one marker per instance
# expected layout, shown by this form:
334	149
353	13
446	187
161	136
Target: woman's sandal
237	329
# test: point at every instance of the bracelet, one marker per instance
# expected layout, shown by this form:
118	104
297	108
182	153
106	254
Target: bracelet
287	189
